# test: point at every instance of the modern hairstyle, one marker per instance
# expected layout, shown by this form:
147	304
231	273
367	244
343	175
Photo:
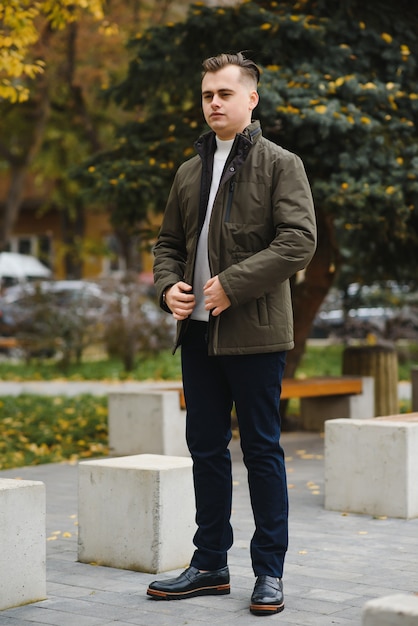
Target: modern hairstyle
248	67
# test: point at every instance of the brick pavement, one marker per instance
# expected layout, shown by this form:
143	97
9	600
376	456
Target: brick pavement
335	562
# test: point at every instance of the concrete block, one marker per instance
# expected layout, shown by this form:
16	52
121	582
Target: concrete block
316	411
136	512
414	385
371	466
23	542
394	610
146	422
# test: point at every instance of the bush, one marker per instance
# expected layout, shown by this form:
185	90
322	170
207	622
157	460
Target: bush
133	324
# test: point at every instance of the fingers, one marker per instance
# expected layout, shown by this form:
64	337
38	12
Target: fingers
216	299
180	300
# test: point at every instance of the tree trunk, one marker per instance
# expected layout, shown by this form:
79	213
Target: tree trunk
381	362
72	222
309	293
35	113
13	202
19	165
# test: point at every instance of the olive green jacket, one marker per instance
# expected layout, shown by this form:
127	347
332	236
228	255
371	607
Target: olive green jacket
262	231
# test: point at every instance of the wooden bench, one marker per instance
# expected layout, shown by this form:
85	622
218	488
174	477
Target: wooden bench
8	343
321	397
328	397
321	386
151	420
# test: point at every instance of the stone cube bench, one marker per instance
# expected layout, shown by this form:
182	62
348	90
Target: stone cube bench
136	512
150	421
394	610
23	542
414	386
371	466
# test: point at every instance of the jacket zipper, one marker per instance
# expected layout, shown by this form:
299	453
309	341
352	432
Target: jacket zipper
229	203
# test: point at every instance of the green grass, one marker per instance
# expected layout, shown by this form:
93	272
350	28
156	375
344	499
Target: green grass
321	361
165	366
42	429
317	361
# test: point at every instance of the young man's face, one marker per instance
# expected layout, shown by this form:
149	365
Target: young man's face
228	100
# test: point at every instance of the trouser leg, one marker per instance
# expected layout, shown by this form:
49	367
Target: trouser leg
208	433
256	386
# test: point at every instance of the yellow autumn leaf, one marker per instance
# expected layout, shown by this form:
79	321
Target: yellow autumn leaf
339	81
386	37
369	85
321	109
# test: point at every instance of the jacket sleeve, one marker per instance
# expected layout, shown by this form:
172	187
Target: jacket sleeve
170	251
294	242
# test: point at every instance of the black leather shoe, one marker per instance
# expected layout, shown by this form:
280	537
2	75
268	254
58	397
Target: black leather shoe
267	597
191	583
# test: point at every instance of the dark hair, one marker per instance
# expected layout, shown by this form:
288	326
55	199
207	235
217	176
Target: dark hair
248	67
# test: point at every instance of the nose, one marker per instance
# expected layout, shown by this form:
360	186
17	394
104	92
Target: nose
215	102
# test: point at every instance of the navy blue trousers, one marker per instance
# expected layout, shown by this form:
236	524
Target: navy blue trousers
212	385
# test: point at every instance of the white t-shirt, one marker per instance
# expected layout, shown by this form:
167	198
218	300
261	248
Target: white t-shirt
202	271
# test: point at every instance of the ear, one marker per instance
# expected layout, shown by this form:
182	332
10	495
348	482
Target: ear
253	100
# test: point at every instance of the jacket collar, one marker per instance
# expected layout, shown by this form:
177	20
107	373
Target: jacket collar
206	143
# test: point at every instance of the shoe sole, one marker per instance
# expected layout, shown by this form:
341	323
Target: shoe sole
266	609
219	590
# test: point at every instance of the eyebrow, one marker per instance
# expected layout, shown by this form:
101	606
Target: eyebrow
207	92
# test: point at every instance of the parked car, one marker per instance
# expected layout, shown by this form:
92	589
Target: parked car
46	309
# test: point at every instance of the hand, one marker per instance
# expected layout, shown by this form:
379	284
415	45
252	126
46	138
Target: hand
216	299
180	300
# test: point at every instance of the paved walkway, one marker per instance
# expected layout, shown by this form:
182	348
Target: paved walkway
335	563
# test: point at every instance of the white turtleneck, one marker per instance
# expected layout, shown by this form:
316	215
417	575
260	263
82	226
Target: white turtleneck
202	270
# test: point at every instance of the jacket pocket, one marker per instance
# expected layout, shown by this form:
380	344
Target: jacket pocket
263	314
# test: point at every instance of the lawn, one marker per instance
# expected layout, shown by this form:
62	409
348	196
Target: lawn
42	429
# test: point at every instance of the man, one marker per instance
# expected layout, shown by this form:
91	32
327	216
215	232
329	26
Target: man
239	223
